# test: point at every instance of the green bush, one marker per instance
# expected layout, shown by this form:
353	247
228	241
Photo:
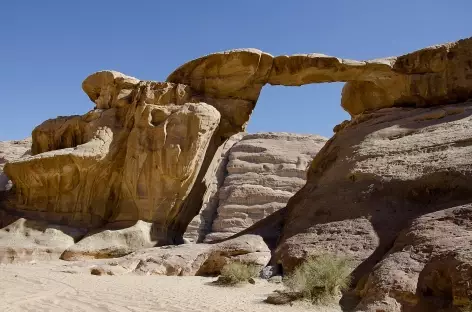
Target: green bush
236	273
320	278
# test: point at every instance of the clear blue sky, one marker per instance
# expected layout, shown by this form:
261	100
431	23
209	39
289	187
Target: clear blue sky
48	47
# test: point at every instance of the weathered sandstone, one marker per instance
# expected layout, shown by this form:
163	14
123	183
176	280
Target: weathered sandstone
432	76
372	187
134	157
235	74
201	224
110	242
186	259
11	150
428	77
264	171
32	240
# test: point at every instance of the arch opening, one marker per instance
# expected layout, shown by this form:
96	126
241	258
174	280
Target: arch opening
308	109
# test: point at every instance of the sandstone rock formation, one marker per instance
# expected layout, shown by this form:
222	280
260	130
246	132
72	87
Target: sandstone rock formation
134	157
432	76
11	150
201	224
32	240
430	259
264	171
427	77
184	260
394	177
112	242
391	189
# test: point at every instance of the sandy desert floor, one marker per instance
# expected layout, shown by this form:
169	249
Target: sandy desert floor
42	287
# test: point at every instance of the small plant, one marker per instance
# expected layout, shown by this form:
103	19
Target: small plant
467	308
320	278
236	273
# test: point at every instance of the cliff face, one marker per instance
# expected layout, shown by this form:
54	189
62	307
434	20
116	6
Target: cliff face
391	190
9	151
117	163
264	170
201	224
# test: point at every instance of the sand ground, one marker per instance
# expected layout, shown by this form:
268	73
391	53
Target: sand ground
42	287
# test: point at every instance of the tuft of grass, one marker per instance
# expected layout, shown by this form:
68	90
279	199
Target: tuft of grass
320	279
467	308
236	273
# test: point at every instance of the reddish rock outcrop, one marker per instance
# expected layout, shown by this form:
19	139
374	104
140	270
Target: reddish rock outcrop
393	177
11	150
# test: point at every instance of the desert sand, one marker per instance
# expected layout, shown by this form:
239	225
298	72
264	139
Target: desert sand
54	286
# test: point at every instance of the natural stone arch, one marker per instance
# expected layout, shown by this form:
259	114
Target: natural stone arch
422	78
214	97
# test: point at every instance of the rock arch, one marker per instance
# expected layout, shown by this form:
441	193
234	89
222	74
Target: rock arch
144	151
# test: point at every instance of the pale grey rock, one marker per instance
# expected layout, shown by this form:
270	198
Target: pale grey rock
200	225
11	150
111	243
268	272
183	260
264	171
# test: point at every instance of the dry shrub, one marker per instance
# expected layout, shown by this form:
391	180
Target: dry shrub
467	308
321	278
236	273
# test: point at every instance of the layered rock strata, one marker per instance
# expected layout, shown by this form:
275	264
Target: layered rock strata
201	224
427	77
392	190
181	260
11	150
264	170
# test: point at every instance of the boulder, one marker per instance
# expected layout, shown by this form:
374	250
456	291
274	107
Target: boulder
382	172
189	259
112	243
268	272
27	240
428	77
264	171
235	74
302	69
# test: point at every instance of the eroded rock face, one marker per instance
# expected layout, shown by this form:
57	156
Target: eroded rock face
433	76
113	242
134	157
11	150
32	240
264	171
391	189
201	224
236	74
429	266
385	178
